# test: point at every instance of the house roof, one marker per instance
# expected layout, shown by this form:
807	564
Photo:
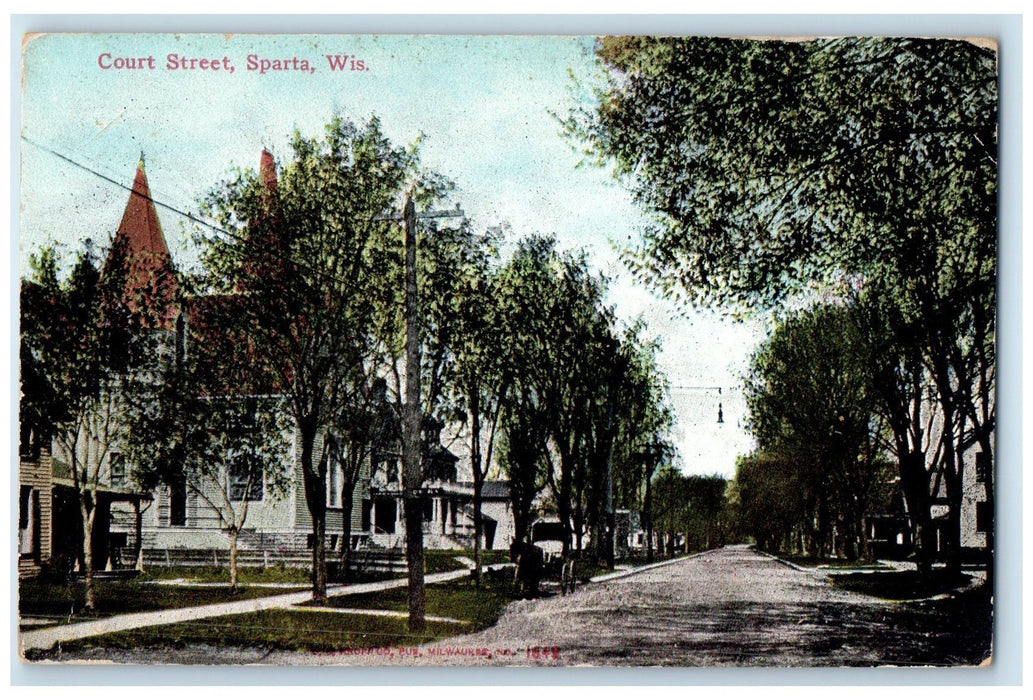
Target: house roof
139	249
267	171
140	225
491	490
61	476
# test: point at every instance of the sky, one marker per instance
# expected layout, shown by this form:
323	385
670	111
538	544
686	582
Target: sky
484	108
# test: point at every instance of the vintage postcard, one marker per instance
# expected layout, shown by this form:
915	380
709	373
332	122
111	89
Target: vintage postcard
479	350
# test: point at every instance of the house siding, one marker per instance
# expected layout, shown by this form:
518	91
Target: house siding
37	475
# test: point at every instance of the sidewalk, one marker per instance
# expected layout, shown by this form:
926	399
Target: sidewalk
47	638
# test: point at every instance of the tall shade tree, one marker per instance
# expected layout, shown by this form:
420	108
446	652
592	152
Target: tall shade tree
562	353
766	174
481	378
525	286
298	253
644	419
770	501
83	344
207	423
812	402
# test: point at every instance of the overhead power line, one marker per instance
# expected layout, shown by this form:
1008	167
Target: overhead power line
305	266
123	186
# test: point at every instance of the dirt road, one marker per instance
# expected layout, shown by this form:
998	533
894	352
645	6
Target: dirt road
729	607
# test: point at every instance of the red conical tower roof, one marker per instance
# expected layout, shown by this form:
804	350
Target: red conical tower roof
139	249
267	171
140	226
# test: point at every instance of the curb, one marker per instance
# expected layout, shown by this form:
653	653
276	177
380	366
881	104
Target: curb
824	570
646	567
972	585
790	564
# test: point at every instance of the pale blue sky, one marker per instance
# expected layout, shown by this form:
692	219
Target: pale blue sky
483	105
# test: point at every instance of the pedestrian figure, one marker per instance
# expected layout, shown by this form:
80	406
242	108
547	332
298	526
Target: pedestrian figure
530	567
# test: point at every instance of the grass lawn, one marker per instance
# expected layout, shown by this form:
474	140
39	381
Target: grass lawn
221	574
901	585
310	629
245	576
289	629
460	600
301	577
293	629
437	561
63	603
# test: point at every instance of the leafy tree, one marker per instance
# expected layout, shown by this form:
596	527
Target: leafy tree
301	256
83	343
524	455
706	506
207	423
771	506
767	175
524	288
481	379
670	509
690	506
643	422
811	400
565	368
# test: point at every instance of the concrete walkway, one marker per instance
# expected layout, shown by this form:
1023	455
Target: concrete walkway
47	638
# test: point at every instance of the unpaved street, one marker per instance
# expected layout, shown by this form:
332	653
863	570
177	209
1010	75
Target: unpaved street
727	607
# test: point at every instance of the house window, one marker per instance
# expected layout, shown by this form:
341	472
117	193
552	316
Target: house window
118	469
333	486
982	467
239	482
984	516
178	503
28	521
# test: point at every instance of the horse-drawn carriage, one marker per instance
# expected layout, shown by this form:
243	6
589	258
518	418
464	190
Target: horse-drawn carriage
543	558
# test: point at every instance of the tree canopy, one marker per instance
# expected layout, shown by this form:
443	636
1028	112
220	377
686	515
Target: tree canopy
770	164
305	252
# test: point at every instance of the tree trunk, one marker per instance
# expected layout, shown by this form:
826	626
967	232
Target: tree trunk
319	558
916	493
233	534
953	462
563	499
521	515
648	512
88	514
347	498
478	480
138	520
315	499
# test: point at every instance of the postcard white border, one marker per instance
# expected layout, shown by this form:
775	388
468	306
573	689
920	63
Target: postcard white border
1006	29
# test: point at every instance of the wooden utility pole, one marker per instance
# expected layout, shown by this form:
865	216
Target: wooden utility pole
412	419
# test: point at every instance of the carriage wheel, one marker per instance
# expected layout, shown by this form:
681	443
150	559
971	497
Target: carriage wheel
567	578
